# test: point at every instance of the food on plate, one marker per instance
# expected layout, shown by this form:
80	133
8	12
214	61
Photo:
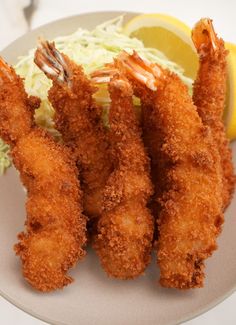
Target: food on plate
55	227
78	118
191	204
125	228
165	33
91	50
209	94
171	167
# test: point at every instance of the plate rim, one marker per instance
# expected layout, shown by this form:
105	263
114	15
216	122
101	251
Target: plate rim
192	315
59	20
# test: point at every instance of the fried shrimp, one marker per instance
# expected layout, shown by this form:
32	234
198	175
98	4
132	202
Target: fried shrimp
78	118
191	206
125	228
55	227
210	93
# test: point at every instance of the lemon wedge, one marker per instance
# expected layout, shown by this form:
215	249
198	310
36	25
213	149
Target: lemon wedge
231	92
171	36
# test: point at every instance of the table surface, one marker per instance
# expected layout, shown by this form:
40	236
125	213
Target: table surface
223	14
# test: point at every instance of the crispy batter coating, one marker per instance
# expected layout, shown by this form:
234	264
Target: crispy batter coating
15	123
78	118
191	205
125	229
55	227
191	215
209	94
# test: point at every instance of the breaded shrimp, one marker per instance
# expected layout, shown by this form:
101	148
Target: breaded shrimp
191	205
209	94
55	227
125	228
78	118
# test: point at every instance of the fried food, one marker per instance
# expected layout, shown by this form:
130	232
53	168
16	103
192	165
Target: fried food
191	205
125	228
189	155
78	118
209	95
55	227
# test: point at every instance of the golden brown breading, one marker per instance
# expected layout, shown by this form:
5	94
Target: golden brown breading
124	240
125	229
191	205
55	227
209	95
191	216
15	123
78	118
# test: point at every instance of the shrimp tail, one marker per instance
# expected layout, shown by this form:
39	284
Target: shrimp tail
5	69
204	37
51	62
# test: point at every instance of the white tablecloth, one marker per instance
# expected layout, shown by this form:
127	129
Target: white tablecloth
12	25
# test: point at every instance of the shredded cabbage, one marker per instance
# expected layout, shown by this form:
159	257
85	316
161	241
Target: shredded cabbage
91	49
5	161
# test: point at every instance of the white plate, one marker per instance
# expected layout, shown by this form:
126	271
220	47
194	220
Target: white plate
93	298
